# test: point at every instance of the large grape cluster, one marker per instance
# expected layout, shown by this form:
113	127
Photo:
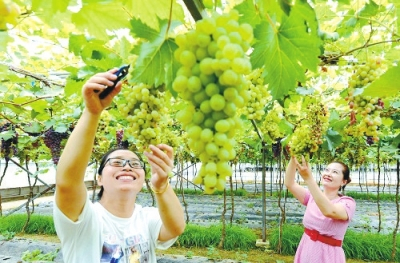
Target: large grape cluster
308	134
211	80
54	141
144	109
9	12
365	111
254	109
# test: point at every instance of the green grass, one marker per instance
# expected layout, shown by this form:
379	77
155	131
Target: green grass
372	196
201	236
38	224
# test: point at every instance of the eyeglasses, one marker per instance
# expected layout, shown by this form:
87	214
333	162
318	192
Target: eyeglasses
327	170
133	163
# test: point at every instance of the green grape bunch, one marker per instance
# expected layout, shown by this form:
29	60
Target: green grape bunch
270	124
101	142
365	111
211	82
144	108
259	96
308	134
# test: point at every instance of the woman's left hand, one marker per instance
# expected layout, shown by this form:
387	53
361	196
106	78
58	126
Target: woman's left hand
161	160
303	168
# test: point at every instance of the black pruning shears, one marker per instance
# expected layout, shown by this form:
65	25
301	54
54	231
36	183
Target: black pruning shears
121	73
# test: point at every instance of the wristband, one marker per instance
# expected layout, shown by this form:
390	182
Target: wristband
159	192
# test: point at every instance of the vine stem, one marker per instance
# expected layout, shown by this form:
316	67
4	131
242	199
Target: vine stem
25	103
170	19
366	45
271	23
41	78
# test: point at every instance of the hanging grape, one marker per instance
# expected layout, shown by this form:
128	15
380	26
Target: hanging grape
365	111
211	80
145	110
309	131
54	140
9	146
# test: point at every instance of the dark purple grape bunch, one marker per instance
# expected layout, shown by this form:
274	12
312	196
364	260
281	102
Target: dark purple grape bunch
9	147
53	140
277	148
370	140
120	142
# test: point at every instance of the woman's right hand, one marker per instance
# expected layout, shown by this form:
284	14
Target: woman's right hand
94	85
304	168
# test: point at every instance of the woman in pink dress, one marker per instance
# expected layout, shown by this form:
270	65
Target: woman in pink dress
328	212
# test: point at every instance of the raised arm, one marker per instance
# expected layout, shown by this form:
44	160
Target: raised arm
328	209
297	190
171	211
71	192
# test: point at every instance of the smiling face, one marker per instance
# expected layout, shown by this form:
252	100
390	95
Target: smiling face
119	175
333	176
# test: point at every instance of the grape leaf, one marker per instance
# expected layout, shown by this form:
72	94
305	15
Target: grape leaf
98	17
397	7
332	140
48	10
386	85
288	51
249	13
139	29
4	39
73	86
95	54
75	43
154	64
52	7
346	27
151	11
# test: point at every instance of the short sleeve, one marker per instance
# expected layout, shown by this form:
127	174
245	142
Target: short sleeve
307	197
85	234
350	206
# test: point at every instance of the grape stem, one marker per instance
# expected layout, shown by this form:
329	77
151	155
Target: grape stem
257	130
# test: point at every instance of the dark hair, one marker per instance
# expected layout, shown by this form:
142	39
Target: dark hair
103	163
346	174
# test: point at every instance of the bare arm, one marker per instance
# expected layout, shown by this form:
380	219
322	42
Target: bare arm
297	190
328	209
169	206
71	192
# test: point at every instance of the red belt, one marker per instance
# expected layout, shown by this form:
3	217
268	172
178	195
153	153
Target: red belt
316	236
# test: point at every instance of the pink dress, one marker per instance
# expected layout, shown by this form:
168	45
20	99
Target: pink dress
310	251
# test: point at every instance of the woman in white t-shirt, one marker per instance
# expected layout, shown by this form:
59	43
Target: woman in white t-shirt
90	232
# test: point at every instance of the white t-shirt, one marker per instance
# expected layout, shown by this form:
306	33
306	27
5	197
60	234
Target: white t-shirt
99	236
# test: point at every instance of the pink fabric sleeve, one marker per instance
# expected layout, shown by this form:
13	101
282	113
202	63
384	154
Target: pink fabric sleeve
306	198
350	206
